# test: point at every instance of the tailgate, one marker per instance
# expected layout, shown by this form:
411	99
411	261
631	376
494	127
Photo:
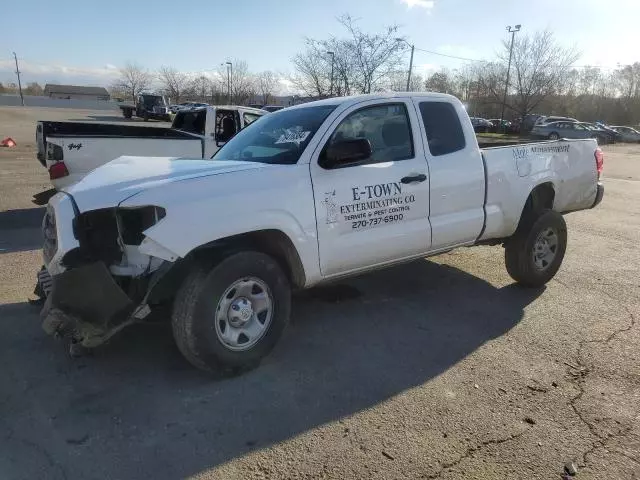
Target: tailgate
40	144
84	153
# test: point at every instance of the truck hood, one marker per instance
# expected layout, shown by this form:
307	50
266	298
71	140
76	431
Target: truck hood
109	185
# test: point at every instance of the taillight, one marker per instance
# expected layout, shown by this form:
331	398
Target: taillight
599	161
58	170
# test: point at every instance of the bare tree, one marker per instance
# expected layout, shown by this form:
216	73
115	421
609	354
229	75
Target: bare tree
199	88
267	84
243	83
374	55
313	70
34	88
628	79
133	80
442	82
539	66
174	83
360	63
397	81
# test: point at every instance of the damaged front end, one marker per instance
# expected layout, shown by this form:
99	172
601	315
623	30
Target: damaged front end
97	279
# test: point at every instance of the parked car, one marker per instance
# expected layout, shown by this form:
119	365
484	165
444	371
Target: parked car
556	130
70	150
527	123
627	134
610	131
272	108
292	202
148	106
481	125
507	126
602	135
542	120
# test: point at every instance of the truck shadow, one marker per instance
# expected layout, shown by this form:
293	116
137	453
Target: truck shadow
349	348
20	230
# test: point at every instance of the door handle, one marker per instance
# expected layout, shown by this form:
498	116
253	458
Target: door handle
414	178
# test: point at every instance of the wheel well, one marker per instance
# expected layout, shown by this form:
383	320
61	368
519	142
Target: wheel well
540	199
272	242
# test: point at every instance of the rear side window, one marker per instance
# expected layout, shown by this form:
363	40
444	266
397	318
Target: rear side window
249	118
191	121
442	127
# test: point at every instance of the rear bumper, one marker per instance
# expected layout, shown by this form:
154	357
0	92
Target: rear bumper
599	195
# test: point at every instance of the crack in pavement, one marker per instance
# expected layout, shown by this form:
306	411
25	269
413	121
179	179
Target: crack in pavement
580	378
11	436
470	452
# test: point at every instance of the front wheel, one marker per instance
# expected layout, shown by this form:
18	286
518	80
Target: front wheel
230	317
535	252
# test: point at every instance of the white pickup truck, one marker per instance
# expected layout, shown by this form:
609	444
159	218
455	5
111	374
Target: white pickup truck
70	150
306	195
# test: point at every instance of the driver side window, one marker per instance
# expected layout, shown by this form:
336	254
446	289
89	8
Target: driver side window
386	127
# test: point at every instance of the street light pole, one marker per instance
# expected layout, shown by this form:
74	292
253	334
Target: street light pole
332	59
19	83
506	85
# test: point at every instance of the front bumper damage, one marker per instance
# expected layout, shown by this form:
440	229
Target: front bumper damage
96	280
86	304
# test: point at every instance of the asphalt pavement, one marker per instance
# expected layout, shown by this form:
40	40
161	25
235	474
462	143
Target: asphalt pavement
441	368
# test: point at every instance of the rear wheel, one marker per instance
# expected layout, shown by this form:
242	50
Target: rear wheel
230	317
535	252
554	136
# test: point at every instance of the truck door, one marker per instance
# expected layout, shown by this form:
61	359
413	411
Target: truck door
376	210
457	173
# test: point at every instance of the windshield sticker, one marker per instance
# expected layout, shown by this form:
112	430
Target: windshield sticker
293	137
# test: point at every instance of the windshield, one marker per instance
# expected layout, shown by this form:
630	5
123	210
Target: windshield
153	100
279	137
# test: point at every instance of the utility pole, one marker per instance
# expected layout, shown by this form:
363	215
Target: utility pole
230	77
506	85
19	83
331	87
410	60
410	68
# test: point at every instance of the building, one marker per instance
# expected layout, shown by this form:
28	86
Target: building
76	92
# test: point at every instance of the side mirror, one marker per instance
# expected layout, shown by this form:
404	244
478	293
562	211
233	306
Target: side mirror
346	152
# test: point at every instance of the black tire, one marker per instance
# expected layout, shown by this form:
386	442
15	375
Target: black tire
195	305
146	117
554	136
519	249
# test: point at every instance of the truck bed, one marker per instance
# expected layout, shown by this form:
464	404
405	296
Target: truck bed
511	171
46	130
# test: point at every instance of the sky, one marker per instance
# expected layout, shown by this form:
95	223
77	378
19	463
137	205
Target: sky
85	42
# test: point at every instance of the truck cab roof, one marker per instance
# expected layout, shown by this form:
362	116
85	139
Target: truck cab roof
354	99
